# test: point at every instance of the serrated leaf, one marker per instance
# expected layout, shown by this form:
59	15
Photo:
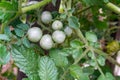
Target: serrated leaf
91	55
47	69
90	36
63	16
4	37
58	58
101	60
76	43
108	76
26	59
54	2
88	70
73	22
66	51
33	77
8	10
23	26
7	31
4	54
77	73
92	62
76	53
19	32
26	42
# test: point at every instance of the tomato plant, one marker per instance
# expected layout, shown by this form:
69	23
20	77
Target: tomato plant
77	42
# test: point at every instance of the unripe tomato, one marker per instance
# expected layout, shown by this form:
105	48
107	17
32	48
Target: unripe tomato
34	34
68	31
58	36
46	17
56	25
46	42
113	47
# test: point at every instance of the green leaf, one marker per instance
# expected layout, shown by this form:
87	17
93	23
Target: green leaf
108	76
77	73
19	32
4	37
4	54
90	36
76	48
54	2
76	43
63	16
7	31
73	22
66	51
88	70
33	77
23	26
101	60
76	53
58	58
25	79
26	59
91	55
92	62
47	69
8	10
26	42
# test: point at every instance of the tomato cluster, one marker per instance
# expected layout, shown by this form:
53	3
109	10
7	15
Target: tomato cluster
46	41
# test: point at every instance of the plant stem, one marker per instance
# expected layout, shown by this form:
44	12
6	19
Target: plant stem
80	35
98	67
5	24
44	27
64	74
2	27
69	4
83	54
107	56
83	10
113	7
100	70
34	6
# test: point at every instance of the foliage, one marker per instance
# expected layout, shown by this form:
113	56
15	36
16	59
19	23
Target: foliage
80	56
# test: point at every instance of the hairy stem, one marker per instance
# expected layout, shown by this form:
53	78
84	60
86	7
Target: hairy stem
113	61
83	54
113	7
80	35
34	6
97	64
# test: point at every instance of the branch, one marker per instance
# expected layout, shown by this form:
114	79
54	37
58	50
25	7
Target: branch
113	61
34	6
113	7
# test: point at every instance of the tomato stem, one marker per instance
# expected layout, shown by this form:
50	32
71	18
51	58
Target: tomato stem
113	7
37	5
83	54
